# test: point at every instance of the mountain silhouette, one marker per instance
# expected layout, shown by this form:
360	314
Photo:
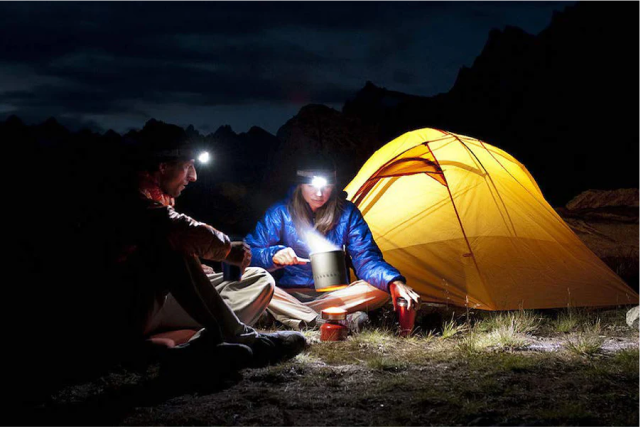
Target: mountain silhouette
563	102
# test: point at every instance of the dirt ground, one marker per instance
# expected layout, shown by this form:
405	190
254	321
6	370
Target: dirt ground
545	371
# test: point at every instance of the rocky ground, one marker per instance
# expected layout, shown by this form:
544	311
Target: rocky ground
552	367
607	222
523	368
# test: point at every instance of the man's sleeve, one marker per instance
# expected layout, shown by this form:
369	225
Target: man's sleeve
264	240
186	235
366	256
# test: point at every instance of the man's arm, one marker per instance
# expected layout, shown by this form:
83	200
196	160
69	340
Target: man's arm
185	234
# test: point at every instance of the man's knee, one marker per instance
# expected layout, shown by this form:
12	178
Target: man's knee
263	280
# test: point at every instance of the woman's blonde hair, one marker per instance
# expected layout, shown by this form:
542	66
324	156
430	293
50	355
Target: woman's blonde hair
326	217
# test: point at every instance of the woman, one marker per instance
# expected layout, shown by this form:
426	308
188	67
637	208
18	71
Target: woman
282	238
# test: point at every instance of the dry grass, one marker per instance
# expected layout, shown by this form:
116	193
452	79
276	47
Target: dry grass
453	328
627	361
499	331
571	319
520	321
588	341
481	373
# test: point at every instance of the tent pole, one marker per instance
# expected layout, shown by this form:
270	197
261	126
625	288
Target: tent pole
464	233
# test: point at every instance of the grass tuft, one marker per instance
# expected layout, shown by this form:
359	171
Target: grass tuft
627	360
571	319
381	363
520	322
506	336
499	331
453	328
587	342
374	337
306	358
469	345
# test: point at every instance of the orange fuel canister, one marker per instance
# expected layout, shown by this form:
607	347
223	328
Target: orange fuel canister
335	328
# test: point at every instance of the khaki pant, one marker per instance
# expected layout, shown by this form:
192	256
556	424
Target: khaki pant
293	306
247	298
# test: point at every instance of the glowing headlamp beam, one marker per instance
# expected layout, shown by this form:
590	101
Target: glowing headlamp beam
204	157
319	182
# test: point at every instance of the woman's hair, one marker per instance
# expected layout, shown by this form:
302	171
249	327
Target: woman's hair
326	217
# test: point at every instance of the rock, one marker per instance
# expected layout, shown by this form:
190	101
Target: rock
632	316
593	199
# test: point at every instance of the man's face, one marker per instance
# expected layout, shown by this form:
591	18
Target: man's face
175	176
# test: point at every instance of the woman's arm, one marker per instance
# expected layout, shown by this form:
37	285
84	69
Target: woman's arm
370	266
366	256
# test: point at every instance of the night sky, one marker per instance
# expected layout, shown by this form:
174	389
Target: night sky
116	65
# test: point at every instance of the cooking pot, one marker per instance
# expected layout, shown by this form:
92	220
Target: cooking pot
329	270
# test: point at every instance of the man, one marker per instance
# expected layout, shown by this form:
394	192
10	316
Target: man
158	258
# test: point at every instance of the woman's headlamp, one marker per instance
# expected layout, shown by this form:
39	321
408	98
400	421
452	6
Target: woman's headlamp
317	178
319	181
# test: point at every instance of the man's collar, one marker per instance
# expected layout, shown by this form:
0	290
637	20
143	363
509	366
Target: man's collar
148	185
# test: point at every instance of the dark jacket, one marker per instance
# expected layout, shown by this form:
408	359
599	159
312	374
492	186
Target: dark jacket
276	231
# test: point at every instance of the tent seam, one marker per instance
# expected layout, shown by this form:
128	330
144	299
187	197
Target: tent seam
464	234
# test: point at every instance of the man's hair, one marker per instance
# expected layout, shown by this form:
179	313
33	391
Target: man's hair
159	142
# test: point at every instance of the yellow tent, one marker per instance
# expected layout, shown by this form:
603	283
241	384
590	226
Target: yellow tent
466	224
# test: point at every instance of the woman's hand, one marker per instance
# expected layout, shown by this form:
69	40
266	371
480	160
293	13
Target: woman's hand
400	289
287	256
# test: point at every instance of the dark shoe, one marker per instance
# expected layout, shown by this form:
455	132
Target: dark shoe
265	321
276	347
357	321
314	325
201	360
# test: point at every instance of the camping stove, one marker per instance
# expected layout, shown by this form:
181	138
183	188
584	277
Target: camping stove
329	270
335	329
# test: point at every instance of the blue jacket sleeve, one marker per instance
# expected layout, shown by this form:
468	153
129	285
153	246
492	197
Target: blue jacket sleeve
366	256
265	239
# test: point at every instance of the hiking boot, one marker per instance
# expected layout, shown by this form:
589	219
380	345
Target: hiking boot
276	347
265	321
313	325
203	359
357	321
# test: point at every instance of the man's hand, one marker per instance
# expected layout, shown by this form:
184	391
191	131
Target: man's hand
207	269
240	255
287	256
400	289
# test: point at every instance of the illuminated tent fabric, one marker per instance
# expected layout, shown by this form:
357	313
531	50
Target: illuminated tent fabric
466	224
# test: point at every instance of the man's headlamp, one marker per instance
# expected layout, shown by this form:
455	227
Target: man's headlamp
204	157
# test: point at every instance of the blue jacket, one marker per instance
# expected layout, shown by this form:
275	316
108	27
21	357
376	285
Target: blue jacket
276	231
